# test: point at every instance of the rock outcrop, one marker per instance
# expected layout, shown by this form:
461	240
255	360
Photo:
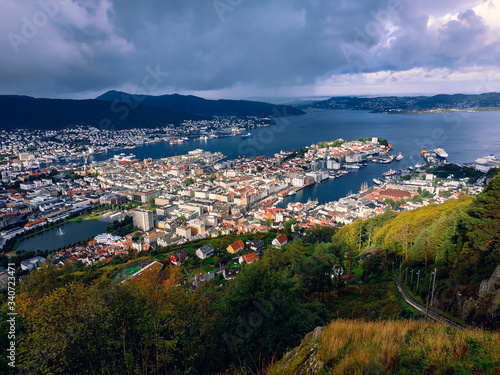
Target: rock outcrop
483	309
303	359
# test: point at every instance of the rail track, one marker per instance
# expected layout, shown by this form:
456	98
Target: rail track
420	307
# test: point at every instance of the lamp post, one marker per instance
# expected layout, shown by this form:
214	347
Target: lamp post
406	274
411	279
428	295
433	287
418	278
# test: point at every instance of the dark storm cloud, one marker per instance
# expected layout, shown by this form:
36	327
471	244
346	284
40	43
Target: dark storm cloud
52	47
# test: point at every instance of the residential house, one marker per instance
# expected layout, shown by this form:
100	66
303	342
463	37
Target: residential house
280	241
249	258
256	245
179	256
32	263
203	277
204	252
235	247
230	273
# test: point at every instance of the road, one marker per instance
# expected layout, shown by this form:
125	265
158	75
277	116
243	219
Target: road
433	315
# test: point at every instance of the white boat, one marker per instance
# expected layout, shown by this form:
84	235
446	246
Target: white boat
203	138
399	157
352	166
249	135
441	153
377	181
59	232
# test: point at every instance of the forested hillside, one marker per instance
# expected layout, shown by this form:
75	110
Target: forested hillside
460	238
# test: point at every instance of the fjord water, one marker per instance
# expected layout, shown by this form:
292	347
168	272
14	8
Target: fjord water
465	136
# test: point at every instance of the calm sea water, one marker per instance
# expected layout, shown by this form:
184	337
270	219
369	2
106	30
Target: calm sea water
465	136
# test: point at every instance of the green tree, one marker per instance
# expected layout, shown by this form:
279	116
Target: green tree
287	225
372	268
151	202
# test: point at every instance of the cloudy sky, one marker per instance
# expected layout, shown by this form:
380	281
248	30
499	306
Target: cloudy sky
249	48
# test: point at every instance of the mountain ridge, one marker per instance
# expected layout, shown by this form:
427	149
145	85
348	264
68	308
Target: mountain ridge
202	106
412	103
121	110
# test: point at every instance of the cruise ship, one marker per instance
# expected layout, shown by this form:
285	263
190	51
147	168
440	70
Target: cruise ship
441	153
486	163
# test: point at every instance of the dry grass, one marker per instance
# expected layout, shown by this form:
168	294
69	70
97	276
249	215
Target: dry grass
355	347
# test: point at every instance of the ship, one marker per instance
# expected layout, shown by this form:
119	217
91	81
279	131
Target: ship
383	160
441	153
352	166
399	157
377	181
124	159
390	172
423	152
249	135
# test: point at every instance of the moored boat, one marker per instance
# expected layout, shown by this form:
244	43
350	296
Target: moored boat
390	172
441	153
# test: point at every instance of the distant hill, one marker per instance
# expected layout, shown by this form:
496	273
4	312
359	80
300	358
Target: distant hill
120	110
200	106
413	103
32	113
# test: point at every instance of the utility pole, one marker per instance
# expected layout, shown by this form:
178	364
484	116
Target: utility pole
433	287
428	295
418	278
406	274
411	282
400	266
